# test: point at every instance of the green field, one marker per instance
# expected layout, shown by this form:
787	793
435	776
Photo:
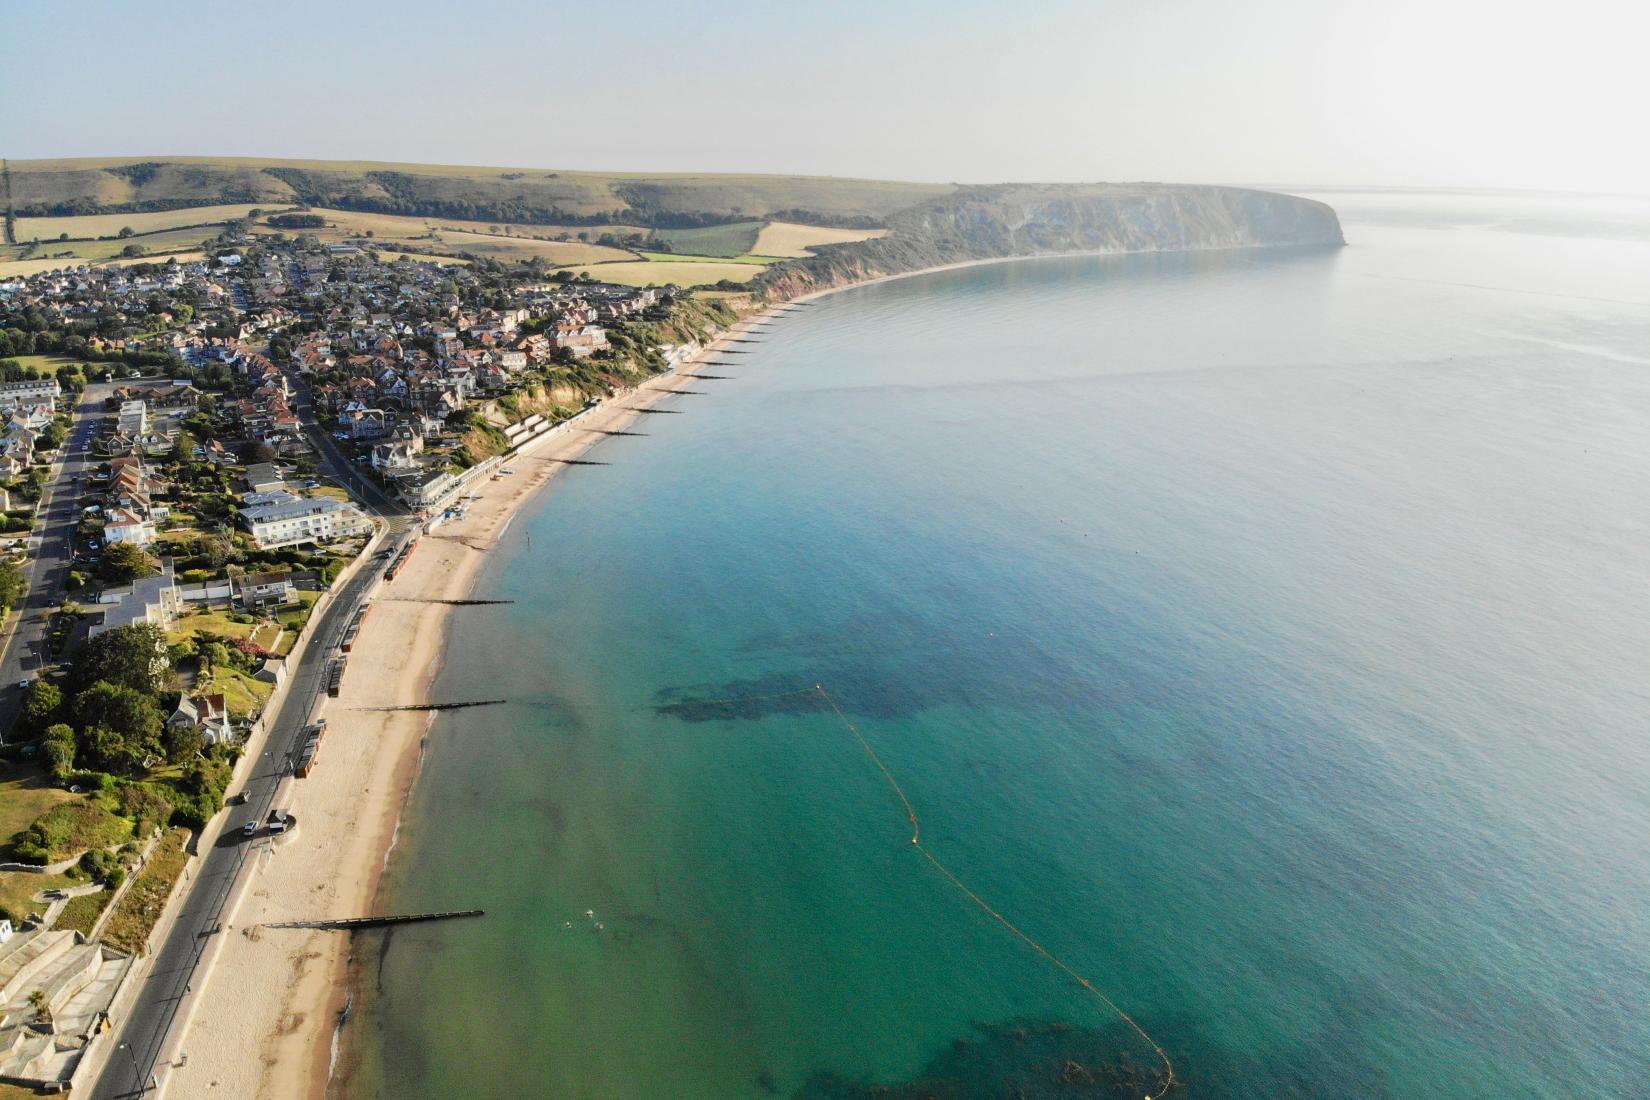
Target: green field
734	239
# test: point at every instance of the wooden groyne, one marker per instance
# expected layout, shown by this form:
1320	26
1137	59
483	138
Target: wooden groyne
578	462
609	431
709	377
347	923
440	706
659	412
447	603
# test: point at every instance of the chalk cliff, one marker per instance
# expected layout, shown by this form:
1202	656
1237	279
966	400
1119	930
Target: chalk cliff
977	223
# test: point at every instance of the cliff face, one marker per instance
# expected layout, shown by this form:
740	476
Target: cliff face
980	223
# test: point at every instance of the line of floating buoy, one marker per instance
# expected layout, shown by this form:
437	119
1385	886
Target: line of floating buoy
1168	1081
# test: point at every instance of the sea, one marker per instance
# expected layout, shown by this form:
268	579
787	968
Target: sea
1259	639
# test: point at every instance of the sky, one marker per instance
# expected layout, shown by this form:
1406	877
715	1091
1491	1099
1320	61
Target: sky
1421	93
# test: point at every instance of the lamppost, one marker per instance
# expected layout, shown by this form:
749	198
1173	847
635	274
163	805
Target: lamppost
137	1074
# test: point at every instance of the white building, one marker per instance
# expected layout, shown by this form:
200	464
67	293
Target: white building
133	419
128	525
152	600
294	522
33	391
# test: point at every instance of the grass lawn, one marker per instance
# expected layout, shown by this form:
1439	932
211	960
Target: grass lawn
82	912
48	363
734	239
25	794
18	888
788	239
294	618
78	826
196	623
244	695
138	911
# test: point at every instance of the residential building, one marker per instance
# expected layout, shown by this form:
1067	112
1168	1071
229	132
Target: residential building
292	523
273	588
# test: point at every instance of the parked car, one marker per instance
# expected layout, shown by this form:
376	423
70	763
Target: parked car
250	828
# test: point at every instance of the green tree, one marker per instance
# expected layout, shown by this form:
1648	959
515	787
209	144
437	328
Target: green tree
40	705
127	656
113	753
132	714
183	742
123	563
58	749
125	231
11	583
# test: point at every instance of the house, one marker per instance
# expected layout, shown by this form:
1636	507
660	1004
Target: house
398	456
365	423
273	588
128	525
207	713
153	600
427	488
294	522
263	477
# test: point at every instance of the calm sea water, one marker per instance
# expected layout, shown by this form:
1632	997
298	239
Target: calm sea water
1267	634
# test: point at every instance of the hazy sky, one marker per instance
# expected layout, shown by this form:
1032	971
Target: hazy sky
1509	93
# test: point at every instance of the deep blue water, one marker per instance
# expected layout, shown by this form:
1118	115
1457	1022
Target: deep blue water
1266	634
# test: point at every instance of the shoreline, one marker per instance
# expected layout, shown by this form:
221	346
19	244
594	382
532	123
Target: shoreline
265	1020
280	993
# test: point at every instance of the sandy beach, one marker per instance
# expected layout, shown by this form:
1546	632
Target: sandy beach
263	1024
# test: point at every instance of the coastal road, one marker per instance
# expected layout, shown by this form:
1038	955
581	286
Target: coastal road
148	1024
23	651
137	1041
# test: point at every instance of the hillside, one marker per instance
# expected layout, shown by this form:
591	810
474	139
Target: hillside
60	188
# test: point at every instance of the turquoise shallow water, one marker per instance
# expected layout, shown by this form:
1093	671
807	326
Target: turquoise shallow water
1265	634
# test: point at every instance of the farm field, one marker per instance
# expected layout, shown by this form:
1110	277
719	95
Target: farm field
392	256
673	258
108	225
648	273
734	239
790	239
405	225
161	243
559	253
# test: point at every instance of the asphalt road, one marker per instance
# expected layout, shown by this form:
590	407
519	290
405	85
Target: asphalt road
24	653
